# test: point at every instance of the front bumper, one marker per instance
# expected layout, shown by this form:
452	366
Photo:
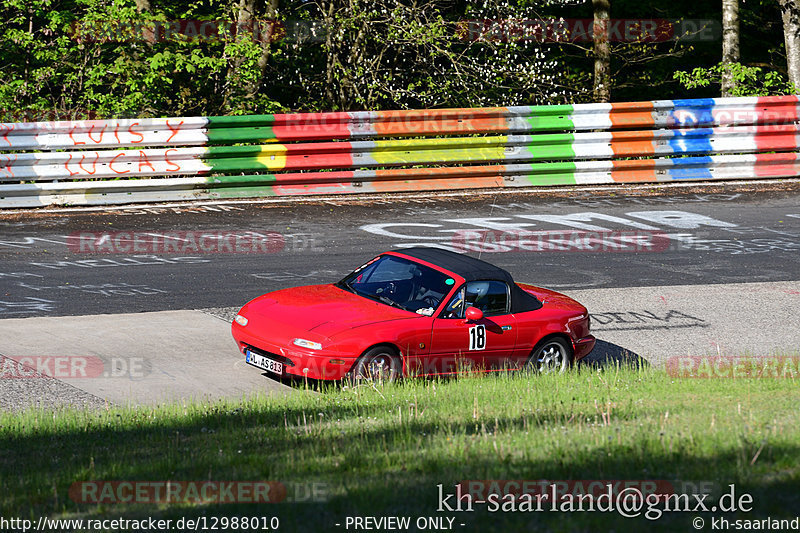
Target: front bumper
322	364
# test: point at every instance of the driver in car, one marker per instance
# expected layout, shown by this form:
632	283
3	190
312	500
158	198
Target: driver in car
475	296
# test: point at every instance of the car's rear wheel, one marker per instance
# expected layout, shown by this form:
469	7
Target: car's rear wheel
553	354
378	364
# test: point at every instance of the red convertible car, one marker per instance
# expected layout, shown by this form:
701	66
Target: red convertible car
415	311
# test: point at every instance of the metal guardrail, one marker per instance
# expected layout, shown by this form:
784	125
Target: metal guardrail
165	159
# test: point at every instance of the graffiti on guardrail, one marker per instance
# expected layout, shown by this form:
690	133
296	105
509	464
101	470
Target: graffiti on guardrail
224	157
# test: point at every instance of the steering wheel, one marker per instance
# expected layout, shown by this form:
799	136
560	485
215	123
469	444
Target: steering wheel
389	289
431	301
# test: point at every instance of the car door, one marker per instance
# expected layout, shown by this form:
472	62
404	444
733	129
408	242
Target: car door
484	344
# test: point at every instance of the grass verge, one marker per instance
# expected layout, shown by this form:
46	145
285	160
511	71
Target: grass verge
381	451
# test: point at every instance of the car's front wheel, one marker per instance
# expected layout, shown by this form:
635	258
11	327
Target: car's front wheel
551	355
381	363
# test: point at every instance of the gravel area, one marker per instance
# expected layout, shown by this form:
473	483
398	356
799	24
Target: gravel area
225	313
40	391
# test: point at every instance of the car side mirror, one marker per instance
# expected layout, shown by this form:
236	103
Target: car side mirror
473	314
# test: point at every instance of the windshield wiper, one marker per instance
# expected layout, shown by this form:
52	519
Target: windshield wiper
380	298
389	301
377	297
346	286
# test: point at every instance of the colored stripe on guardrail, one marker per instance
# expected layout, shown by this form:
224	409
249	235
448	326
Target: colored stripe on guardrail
726	167
409	150
384	153
181	131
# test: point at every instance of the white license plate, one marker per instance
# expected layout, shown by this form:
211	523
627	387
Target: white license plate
263	363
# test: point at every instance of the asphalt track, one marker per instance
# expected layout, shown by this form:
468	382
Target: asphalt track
679	270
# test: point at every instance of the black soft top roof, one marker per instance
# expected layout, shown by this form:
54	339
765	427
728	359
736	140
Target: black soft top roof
467	267
472	269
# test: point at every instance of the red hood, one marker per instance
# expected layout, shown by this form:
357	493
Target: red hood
323	309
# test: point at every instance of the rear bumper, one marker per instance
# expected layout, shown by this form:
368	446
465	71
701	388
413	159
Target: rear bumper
583	346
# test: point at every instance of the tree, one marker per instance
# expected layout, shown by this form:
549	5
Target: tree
790	13
427	53
760	71
730	44
630	57
252	39
602	50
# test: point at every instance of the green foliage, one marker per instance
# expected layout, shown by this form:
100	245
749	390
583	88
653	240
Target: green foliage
104	58
748	80
385	54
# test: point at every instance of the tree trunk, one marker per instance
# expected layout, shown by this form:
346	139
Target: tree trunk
602	50
790	10
267	35
143	6
730	43
330	57
244	26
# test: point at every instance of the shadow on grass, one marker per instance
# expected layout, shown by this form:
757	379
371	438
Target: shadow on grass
382	468
406	485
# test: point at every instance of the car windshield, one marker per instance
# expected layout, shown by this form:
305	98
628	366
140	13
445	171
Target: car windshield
400	283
